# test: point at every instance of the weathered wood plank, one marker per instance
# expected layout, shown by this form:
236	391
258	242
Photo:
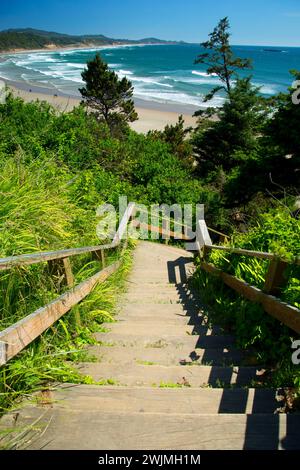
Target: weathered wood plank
221	234
16	337
33	258
68	272
210	268
241	251
286	313
102	256
251	253
160	230
99	256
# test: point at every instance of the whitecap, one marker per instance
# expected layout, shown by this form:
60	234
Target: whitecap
267	89
125	72
198	81
76	66
150	81
167	97
204	74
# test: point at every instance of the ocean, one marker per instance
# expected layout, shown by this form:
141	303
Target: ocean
161	74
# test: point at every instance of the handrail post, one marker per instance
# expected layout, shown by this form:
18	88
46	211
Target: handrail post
100	256
203	238
275	276
63	269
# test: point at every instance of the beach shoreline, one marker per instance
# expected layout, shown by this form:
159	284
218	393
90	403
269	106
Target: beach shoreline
152	115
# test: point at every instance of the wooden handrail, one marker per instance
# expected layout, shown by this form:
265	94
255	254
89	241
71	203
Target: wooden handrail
39	257
287	314
164	218
251	253
241	251
223	235
274	280
218	233
16	337
160	230
19	335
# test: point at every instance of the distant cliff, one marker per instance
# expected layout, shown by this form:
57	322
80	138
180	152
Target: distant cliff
16	39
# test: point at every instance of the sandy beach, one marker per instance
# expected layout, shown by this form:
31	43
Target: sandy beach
152	115
149	117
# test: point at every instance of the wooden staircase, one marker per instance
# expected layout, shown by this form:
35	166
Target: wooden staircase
175	382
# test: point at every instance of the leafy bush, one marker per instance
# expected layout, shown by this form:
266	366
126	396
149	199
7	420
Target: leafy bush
278	232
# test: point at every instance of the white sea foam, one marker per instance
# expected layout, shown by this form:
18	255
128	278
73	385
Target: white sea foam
76	66
125	72
267	89
167	97
149	81
204	74
198	81
63	74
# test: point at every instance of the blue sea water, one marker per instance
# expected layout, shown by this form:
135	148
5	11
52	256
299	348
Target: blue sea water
164	74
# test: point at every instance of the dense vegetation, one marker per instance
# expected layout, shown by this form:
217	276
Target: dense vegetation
58	168
267	340
250	154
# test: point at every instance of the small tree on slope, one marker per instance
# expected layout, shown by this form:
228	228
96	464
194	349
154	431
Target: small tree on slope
106	94
220	59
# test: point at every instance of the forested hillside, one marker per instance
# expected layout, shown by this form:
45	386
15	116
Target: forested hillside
29	38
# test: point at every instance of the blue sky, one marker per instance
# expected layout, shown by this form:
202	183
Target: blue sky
264	22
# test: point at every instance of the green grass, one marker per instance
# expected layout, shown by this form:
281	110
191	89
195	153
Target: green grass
52	356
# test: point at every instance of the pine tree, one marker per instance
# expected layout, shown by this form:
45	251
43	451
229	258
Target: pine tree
232	139
282	137
109	97
220	58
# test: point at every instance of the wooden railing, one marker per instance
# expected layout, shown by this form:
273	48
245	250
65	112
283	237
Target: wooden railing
16	337
275	278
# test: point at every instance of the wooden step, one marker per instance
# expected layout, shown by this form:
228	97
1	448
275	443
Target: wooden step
117	399
157	320
161	341
167	356
158	328
152	308
59	429
158	376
